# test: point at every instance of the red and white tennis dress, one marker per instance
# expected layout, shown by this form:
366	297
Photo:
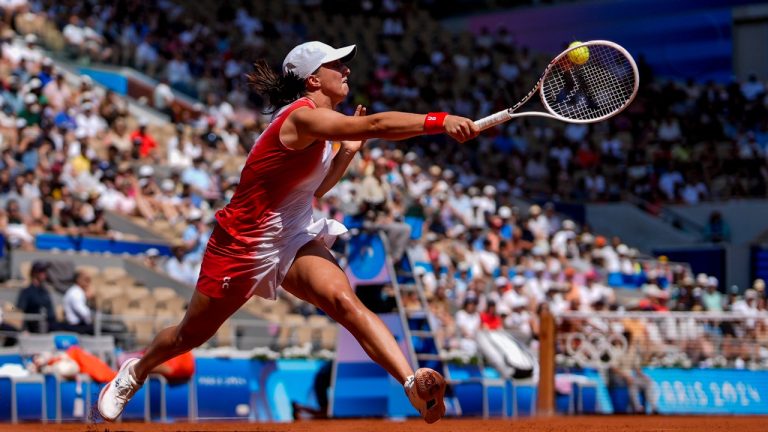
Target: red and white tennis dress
269	217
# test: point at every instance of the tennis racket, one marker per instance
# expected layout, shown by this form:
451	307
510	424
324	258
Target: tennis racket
586	83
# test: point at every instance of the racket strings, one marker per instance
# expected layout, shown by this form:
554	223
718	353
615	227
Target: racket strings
601	86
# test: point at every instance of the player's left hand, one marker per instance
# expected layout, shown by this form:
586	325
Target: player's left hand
354	146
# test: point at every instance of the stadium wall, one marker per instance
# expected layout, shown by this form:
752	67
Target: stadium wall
637	228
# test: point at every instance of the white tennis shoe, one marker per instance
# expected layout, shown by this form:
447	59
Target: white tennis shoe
425	390
116	394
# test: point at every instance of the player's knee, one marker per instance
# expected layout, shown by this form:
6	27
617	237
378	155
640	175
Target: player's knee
346	304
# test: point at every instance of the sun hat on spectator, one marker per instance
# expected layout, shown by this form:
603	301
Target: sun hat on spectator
587	238
146	171
622	249
569	225
152	252
712	281
194	215
217	165
534	210
702	279
167	185
504	212
750	294
303	60
758	285
519	303
653	290
518	280
501	281
539	266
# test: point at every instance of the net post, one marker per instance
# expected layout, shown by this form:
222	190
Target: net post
545	402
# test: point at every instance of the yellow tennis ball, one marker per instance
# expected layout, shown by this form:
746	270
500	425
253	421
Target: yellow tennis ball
579	55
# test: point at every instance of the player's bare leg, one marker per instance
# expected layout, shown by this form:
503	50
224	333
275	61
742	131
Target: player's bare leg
203	318
316	278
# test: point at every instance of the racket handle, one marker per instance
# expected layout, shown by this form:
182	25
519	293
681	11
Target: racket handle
493	119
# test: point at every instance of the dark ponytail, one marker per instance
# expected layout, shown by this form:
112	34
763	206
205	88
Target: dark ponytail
279	89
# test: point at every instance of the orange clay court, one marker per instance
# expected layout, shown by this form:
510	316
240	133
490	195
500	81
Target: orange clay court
555	424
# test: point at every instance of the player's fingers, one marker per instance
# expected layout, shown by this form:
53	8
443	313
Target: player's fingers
358	110
474	128
466	131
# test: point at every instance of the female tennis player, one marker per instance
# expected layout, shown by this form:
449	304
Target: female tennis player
266	237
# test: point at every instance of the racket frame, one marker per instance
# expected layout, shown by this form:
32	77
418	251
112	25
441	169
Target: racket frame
509	113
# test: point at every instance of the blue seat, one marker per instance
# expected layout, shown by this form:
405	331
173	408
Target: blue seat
615	279
417	225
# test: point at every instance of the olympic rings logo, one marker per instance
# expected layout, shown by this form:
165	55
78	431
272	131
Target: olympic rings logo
595	350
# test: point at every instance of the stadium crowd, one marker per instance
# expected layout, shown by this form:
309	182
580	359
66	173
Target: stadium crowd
72	151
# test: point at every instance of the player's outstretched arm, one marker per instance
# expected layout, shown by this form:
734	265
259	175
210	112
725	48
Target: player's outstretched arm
305	125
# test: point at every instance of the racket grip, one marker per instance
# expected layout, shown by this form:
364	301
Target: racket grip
493	119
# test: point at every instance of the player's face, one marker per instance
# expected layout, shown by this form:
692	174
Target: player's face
333	77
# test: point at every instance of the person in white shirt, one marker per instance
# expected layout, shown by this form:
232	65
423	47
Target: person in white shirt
89	122
512	298
163	97
467	326
178	268
77	314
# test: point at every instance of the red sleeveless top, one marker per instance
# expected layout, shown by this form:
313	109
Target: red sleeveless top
274	197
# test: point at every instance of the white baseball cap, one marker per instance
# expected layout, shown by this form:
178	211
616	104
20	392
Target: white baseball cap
307	57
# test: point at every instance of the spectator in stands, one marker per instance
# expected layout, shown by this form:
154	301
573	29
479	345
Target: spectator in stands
467	325
717	229
35	299
178	268
143	143
628	373
655	299
15	226
711	298
152	259
7	332
77	313
489	318
162	98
